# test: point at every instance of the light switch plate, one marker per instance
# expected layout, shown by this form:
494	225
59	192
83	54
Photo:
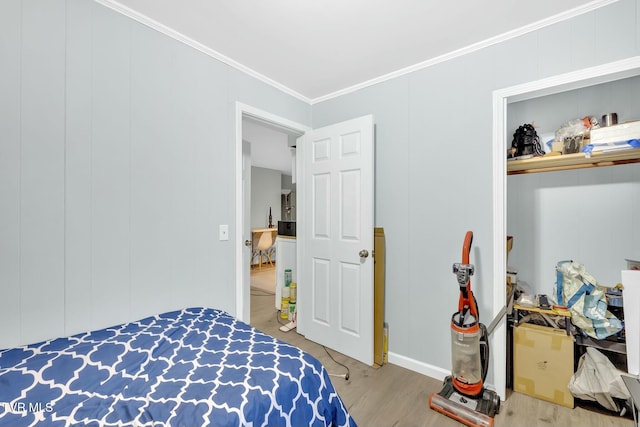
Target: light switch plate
224	232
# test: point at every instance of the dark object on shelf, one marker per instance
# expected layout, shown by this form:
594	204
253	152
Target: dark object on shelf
526	142
543	302
572	144
287	228
609	119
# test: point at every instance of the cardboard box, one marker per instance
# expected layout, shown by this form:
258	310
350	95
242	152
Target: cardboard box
543	363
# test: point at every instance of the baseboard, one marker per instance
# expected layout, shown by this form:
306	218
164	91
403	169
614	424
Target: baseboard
424	368
417	366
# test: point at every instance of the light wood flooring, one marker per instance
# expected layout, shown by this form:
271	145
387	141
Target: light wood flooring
263	279
394	396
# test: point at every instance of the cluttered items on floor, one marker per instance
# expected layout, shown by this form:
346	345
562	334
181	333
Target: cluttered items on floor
289	306
598	380
579	323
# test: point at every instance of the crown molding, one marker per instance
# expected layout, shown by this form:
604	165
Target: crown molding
471	48
145	20
151	23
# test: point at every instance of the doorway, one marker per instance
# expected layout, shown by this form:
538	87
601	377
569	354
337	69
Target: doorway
335	172
249	123
271	153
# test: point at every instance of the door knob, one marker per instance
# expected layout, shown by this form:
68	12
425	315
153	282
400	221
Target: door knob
247	242
364	253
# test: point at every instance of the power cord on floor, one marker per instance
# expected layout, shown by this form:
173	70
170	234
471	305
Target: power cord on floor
278	317
345	376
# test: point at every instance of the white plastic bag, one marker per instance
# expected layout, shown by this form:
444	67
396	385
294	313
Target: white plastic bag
597	379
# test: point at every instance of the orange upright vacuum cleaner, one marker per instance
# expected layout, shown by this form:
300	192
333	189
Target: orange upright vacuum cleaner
463	396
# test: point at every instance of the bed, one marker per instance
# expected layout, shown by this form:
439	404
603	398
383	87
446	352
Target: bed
193	367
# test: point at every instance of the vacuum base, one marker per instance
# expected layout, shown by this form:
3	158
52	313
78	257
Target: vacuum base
472	411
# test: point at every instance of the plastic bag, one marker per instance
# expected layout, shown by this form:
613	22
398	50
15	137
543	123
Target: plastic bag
573	132
579	291
597	379
576	127
526	300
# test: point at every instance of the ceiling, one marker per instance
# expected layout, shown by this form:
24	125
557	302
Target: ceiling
315	49
269	147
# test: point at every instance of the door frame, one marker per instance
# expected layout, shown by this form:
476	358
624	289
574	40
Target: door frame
501	98
243	294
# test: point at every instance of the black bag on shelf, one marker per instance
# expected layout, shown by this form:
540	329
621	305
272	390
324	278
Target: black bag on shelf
526	142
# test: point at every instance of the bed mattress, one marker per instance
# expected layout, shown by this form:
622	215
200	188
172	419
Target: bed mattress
193	367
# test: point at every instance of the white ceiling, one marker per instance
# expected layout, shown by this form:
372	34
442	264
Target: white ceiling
269	147
315	49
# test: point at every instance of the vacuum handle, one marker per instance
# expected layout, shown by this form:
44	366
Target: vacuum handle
466	247
466	295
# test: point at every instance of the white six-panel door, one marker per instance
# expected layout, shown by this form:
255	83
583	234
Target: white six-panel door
335	288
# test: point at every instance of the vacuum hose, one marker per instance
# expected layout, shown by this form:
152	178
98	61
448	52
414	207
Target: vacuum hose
484	351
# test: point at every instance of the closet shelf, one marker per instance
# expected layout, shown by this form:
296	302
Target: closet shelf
573	161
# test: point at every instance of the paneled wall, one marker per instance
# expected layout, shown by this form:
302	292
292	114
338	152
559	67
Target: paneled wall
434	171
32	171
117	153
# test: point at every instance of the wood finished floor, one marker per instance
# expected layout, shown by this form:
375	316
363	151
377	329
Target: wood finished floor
394	396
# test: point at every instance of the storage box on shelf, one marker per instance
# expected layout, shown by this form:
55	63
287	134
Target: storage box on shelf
616	133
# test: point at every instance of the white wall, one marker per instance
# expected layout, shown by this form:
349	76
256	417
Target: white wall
434	167
265	194
117	152
582	215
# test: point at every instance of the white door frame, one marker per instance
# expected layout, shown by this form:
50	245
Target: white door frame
243	294
501	98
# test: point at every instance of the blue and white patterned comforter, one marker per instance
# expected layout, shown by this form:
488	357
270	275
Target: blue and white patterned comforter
194	367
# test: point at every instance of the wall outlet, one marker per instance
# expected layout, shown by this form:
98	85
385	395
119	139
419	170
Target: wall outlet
224	232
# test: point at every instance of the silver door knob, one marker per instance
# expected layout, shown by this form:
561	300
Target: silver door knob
364	253
247	242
